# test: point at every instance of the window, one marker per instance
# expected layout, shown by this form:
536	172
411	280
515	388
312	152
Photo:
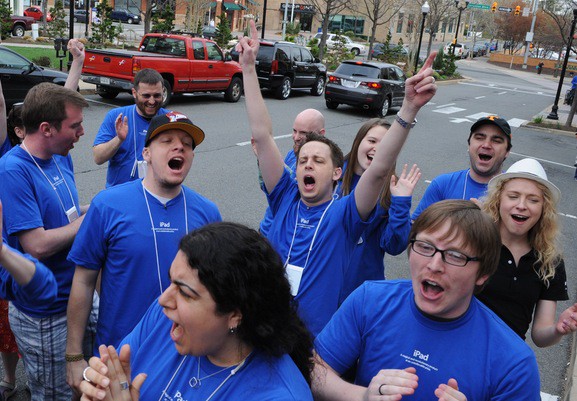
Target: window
410	23
307	56
198	50
296	54
451	22
400	23
213	52
282	55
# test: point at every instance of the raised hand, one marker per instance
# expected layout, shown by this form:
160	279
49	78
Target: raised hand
121	125
247	48
405	184
421	88
76	48
449	392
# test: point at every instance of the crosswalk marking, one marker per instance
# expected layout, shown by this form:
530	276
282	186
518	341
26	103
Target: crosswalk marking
516	122
449	110
276	137
548	397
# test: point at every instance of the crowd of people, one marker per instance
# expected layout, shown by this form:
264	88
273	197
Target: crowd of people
146	293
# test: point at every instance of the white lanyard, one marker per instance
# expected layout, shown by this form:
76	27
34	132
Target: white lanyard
48	179
154	231
465	185
314	235
135	166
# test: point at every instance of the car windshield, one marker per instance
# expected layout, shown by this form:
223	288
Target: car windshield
358	70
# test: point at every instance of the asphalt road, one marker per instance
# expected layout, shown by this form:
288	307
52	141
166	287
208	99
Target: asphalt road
224	168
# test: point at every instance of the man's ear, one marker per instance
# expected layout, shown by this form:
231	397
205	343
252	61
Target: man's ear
46	129
146	154
337	173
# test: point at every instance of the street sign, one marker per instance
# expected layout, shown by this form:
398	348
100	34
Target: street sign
481	6
505	9
525	11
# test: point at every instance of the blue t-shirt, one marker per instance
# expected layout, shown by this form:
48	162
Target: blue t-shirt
260	378
116	237
36	196
290	163
380	326
41	289
121	165
322	278
456	185
6	146
389	232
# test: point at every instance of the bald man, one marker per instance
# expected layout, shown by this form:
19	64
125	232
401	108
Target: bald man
309	120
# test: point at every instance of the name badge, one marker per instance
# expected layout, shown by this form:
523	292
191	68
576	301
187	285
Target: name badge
141	168
72	214
294	274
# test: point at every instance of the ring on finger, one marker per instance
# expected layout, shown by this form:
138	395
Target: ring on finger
433	80
124	386
84	374
380	387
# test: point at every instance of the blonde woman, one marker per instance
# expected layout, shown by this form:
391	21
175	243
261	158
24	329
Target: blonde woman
531	277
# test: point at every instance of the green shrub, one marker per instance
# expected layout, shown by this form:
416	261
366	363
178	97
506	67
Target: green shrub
43	61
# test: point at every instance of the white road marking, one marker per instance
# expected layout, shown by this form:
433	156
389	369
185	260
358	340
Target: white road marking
516	122
449	110
502	93
493	86
548	397
446	105
276	137
480	97
460	120
476	116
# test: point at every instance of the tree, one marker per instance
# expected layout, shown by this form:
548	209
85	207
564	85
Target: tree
5	21
512	29
223	36
325	9
163	19
104	32
440	10
58	27
378	12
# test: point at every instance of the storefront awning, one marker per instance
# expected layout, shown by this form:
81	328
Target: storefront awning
231	6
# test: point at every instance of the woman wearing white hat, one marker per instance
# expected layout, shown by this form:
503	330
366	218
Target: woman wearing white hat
531	275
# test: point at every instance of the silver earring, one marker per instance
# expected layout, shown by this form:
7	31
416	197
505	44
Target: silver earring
232	330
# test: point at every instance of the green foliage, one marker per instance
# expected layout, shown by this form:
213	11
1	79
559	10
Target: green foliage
337	53
105	31
43	61
58	28
313	44
163	21
224	35
438	62
199	27
392	54
350	34
538	119
36	53
5	22
292	28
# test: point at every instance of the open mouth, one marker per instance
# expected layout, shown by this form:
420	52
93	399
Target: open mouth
431	288
485	157
519	218
176	332
176	163
309	182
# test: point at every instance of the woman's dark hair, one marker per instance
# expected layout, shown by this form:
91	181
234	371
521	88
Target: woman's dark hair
243	272
352	159
14	120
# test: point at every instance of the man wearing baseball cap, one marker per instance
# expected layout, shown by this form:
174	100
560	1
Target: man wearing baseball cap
131	236
489	145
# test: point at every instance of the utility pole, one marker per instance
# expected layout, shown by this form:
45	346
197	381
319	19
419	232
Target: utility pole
529	37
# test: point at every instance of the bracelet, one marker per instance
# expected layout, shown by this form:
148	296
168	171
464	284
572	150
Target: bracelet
405	124
73	357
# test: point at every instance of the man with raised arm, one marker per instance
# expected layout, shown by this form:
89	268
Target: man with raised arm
314	233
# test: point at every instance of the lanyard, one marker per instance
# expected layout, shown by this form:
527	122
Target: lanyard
154	230
135	166
465	185
314	235
48	179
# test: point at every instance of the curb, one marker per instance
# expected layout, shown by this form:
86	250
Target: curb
571	391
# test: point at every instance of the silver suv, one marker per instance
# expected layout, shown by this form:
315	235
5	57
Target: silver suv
353	47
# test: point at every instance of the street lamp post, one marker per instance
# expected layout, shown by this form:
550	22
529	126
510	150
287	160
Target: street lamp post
425	10
461	5
553	115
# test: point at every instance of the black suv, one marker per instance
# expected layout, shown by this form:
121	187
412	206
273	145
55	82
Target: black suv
371	85
282	66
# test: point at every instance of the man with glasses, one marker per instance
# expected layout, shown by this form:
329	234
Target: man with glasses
120	139
429	338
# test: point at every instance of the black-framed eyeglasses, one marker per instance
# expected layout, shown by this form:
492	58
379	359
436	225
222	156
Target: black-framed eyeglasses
454	258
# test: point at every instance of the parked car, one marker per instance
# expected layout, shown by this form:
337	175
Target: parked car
353	47
209	31
36	13
371	85
125	16
18	25
80	15
461	50
284	66
379	50
20	74
479	50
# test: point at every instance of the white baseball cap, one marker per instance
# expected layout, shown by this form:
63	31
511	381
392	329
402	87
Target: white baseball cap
530	169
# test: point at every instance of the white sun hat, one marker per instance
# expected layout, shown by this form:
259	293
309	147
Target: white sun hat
530	169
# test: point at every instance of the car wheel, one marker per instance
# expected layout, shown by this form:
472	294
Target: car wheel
284	90
18	31
385	107
129	20
319	86
106	93
331	105
234	90
355	51
166	93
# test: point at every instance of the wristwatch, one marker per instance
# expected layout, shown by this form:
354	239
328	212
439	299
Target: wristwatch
405	124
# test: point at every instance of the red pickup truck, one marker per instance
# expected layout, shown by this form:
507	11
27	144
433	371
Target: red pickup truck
187	64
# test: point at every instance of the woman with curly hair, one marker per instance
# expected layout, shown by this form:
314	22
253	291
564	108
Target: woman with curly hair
389	232
225	329
531	277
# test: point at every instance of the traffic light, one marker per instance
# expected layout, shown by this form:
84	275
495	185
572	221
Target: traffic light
517	10
531	46
494	6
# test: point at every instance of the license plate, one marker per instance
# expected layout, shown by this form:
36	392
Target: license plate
105	81
350	84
